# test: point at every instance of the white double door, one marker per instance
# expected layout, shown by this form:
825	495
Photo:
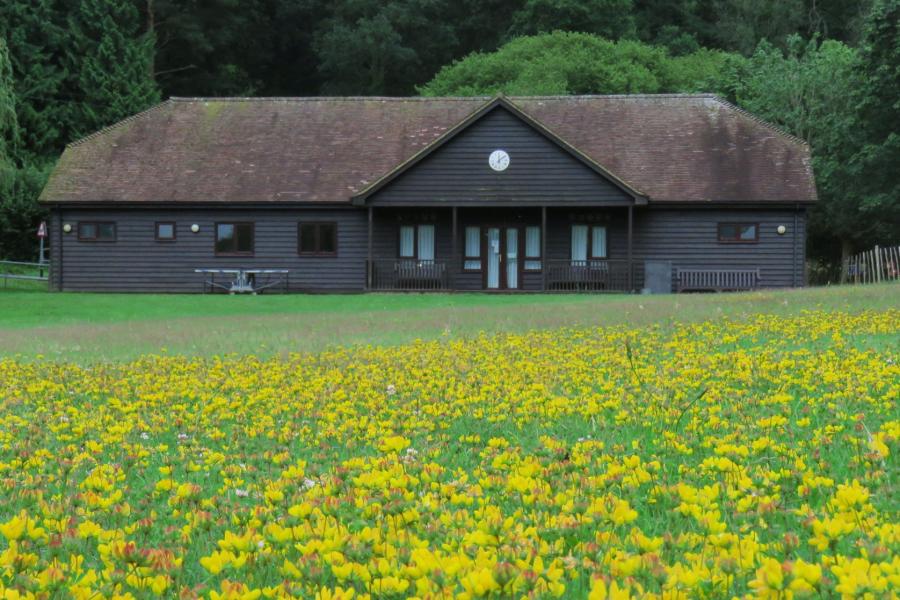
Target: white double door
501	258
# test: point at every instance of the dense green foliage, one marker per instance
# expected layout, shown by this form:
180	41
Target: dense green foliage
809	91
824	70
9	125
577	63
115	73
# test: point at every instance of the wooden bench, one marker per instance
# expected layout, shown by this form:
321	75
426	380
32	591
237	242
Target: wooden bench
420	275
716	280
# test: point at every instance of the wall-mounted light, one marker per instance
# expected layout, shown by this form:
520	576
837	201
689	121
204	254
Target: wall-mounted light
781	229
195	228
67	228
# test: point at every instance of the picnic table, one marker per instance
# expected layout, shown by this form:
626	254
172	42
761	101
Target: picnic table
245	281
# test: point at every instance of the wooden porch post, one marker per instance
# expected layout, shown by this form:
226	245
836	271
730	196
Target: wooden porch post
630	236
454	263
369	266
544	264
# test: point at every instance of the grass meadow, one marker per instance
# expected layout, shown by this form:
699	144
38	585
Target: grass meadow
707	446
97	327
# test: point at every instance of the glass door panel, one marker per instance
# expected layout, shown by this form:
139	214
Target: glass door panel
512	258
493	258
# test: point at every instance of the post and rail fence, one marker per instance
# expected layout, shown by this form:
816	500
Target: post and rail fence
873	266
14	270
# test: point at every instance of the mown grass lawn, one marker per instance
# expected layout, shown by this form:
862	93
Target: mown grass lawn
91	327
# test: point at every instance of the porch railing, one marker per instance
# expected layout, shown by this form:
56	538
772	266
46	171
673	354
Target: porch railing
594	275
406	274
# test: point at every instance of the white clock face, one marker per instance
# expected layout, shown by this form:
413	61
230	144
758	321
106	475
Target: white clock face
498	160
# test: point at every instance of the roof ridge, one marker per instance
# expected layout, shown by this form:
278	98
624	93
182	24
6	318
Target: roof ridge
760	120
320	98
431	98
117	124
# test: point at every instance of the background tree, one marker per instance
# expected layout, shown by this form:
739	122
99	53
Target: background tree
810	91
46	105
79	65
114	65
873	168
372	47
9	124
576	63
229	47
741	24
611	19
19	214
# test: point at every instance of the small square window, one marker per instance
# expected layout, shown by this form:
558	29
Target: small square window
234	238
317	239
165	232
308	238
741	233
87	231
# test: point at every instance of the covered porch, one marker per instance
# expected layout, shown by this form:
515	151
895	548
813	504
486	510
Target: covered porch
502	249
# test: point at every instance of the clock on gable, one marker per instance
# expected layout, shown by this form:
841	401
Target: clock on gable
498	160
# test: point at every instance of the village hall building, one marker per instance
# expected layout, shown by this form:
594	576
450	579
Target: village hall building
621	193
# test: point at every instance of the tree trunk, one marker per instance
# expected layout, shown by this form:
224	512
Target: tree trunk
846	251
151	31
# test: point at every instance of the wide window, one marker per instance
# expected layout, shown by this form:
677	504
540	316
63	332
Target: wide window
165	232
317	238
588	242
532	248
92	231
417	241
234	239
741	233
473	249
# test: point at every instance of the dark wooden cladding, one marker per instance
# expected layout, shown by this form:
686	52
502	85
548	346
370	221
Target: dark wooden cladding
136	262
458	172
689	239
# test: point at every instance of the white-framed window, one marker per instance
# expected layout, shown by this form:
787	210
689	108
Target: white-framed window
472	261
598	241
588	242
417	242
532	248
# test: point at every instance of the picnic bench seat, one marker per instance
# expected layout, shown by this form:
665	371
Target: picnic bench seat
716	280
245	281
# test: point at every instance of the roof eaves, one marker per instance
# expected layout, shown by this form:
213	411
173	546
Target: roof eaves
118	124
746	113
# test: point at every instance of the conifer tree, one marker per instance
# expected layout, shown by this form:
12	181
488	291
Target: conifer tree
9	127
113	61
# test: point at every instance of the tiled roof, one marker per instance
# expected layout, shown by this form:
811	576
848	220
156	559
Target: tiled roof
672	148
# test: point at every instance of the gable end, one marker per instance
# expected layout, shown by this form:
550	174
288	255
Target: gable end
544	169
